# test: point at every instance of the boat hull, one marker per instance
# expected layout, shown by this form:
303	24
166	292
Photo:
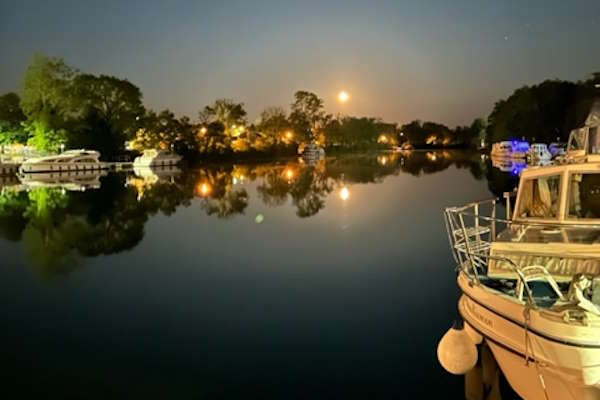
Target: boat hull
568	369
58	168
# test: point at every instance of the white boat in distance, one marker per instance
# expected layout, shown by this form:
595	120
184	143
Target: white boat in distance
312	151
507	149
531	282
70	160
156	158
539	154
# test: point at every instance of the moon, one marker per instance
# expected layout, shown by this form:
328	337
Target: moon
343	96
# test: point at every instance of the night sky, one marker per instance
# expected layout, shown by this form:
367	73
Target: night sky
447	61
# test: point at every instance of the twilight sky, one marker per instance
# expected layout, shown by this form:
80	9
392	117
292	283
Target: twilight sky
446	61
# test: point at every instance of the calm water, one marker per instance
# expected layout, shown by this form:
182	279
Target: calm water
261	280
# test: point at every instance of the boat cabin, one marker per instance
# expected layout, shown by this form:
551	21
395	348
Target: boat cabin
561	194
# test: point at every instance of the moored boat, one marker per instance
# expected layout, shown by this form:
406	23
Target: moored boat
312	151
70	160
510	149
539	154
530	282
156	158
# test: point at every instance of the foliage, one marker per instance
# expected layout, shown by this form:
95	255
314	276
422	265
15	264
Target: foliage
110	111
165	131
274	125
44	138
307	115
352	132
47	94
542	112
226	111
11	119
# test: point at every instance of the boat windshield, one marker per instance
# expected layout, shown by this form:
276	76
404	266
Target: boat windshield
540	197
584	196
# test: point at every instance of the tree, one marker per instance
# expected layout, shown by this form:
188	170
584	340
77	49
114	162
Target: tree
307	116
165	131
274	125
545	111
229	113
110	112
47	91
47	101
11	120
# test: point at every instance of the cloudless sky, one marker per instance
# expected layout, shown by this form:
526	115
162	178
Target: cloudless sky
446	61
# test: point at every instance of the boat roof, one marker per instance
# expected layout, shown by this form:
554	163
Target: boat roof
534	171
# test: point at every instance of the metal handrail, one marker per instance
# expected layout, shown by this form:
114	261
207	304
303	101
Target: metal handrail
474	255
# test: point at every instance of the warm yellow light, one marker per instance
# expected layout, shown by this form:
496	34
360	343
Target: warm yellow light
204	189
203	130
382	139
344	193
289	135
343	96
289	173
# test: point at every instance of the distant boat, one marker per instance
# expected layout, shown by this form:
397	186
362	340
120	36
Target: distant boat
557	149
539	154
70	160
312	151
510	149
156	158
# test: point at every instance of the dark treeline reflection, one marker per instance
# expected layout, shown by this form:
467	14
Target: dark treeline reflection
62	220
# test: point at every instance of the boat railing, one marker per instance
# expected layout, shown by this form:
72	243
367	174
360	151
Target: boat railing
473	228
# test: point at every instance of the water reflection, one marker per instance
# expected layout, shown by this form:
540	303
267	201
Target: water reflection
63	218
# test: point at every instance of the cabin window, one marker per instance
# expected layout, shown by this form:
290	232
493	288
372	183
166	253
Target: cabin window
594	141
584	196
540	197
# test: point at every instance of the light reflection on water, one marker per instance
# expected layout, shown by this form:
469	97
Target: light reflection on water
283	278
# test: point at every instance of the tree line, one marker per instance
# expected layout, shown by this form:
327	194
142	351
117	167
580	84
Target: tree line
62	107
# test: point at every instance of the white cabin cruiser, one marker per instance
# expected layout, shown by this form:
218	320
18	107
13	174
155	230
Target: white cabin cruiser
156	158
508	149
312	152
539	154
531	282
70	160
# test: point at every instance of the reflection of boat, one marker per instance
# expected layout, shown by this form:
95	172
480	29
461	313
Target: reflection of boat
532	291
538	154
144	178
514	166
71	160
154	158
158	172
8	169
510	149
312	151
73	181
